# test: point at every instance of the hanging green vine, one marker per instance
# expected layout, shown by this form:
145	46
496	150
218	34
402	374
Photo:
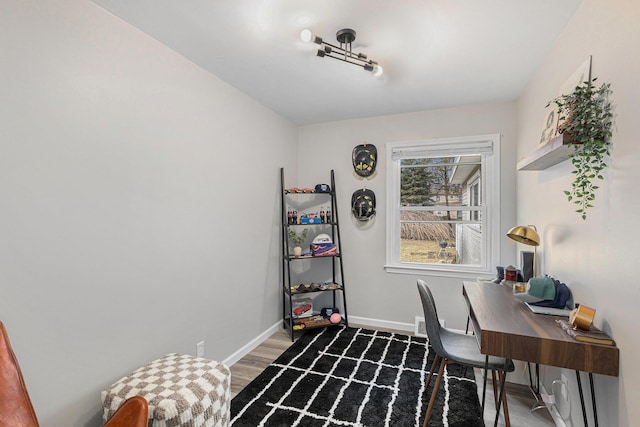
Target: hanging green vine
586	119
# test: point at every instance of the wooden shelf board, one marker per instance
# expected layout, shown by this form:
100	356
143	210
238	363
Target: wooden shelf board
555	151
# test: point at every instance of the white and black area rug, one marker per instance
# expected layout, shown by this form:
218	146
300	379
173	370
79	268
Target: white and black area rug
355	377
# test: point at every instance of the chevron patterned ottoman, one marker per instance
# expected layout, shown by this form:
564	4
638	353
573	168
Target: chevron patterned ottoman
181	390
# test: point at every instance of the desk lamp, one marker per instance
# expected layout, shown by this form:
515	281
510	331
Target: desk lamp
527	235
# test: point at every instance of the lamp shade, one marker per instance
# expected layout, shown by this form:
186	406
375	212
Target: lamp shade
525	234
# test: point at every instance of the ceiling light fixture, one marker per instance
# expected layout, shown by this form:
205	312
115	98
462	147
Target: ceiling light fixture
345	37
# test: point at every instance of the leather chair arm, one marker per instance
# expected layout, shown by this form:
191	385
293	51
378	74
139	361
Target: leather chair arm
134	412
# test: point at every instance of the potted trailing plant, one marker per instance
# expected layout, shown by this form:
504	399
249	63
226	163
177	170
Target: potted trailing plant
585	117
297	240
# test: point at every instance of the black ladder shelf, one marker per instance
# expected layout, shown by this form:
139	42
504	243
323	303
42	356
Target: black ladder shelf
293	292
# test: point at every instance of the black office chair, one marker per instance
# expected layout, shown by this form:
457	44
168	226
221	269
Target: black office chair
455	347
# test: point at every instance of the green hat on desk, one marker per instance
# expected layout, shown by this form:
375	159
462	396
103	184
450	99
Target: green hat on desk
538	289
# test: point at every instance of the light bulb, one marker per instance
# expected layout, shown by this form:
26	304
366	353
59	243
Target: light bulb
377	71
306	35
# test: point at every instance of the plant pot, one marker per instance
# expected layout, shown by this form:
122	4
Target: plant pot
297	251
567	138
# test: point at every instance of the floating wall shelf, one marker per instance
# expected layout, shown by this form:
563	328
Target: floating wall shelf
555	151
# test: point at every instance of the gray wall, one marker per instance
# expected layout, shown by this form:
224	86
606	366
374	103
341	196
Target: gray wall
371	292
598	257
132	219
127	230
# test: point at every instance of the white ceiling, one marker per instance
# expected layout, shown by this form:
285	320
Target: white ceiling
435	53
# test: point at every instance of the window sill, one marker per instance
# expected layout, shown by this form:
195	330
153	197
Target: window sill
463	273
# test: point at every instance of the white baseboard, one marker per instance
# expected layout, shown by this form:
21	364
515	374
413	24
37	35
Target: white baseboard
387	324
246	349
376	323
363	321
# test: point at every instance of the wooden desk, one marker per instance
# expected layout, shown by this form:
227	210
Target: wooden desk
505	327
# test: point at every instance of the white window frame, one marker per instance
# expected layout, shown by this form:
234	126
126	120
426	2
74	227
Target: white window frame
490	191
475	182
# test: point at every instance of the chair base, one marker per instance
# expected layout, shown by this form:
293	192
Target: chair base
445	362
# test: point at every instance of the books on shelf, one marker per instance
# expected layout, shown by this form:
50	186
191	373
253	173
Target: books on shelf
593	335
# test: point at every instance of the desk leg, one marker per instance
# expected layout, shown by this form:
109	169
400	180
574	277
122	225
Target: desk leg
584	409
593	400
502	383
535	389
484	387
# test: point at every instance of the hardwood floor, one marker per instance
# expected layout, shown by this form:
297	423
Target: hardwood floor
520	399
250	366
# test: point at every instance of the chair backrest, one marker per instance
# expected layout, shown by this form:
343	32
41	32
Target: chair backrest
16	409
431	319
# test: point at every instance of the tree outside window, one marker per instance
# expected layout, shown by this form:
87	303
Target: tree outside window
430	235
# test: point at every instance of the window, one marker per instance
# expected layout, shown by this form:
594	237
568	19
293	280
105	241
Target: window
473	189
443	210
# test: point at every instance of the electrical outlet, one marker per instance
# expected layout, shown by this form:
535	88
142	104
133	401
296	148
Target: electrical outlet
200	349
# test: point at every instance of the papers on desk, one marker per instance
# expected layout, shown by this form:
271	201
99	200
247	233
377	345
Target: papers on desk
548	310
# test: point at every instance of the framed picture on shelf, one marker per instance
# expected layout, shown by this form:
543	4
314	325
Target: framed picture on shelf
581	75
550	122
